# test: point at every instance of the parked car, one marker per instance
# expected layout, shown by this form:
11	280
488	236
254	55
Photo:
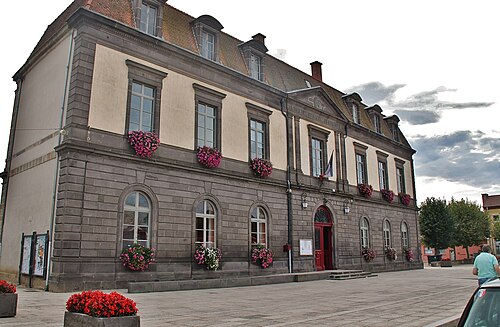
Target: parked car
483	308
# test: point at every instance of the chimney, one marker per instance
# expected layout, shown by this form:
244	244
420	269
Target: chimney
259	38
316	71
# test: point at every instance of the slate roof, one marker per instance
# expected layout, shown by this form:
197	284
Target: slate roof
177	30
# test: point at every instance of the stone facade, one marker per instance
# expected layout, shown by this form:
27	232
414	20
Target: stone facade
96	167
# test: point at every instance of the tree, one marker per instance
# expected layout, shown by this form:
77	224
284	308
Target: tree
496	231
472	226
436	224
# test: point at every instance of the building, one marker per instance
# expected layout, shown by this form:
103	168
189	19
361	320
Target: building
491	206
105	68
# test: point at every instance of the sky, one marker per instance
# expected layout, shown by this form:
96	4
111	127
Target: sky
435	64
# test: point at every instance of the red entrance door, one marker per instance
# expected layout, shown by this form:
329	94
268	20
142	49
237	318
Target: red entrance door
323	239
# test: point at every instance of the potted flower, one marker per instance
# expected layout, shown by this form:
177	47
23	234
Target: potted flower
365	190
8	299
261	167
262	256
391	254
446	262
95	308
409	254
144	143
208	157
208	257
367	254
405	198
137	257
387	195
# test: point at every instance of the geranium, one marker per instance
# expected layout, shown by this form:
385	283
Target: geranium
99	304
6	287
365	190
387	195
391	253
144	143
262	255
208	157
137	257
405	198
367	254
209	257
261	167
409	254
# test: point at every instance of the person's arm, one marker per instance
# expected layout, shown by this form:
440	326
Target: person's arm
474	270
497	269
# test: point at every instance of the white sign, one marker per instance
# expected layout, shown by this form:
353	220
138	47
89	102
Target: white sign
306	247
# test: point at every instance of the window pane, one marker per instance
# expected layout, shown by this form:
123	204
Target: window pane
143	201
136	87
210	224
211	236
135	102
134	116
148	106
210	208
199	236
143	218
129	218
210	111
152	21
199	223
142	233
128	232
201	108
199	207
254	227
210	123
148	91
130	200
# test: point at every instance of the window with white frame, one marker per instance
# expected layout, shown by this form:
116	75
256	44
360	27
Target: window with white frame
257	139
365	233
206	224
376	123
258	231
256	67
149	15
208	117
387	234
208	45
382	175
317	156
400	177
141	107
404	235
361	168
206	125
136	220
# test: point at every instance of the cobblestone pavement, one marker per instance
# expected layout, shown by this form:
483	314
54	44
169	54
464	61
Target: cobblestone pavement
405	298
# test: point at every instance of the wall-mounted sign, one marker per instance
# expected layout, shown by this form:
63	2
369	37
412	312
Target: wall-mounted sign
306	247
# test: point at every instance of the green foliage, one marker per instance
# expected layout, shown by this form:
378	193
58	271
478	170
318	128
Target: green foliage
472	226
496	230
436	224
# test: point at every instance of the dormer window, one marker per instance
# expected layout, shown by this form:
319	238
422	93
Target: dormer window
207	33
355	113
256	67
376	123
148	16
208	45
395	133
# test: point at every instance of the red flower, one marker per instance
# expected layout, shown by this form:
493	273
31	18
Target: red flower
405	198
137	257
365	190
209	157
6	287
99	304
144	143
261	167
388	195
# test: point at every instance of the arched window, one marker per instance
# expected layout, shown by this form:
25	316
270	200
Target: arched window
365	233
258	232
404	235
206	224
387	234
136	220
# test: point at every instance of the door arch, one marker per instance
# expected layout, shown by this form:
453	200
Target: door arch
323	239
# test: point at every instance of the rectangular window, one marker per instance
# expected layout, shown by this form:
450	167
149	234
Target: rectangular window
206	125
208	45
376	122
148	19
255	67
355	113
317	156
400	176
257	139
361	168
141	108
382	175
395	133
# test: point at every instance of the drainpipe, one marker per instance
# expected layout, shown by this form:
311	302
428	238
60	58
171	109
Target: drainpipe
56	177
288	184
10	150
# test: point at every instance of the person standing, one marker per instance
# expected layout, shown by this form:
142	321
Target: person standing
485	265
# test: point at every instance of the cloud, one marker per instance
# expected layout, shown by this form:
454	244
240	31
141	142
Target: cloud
466	157
418	117
417	109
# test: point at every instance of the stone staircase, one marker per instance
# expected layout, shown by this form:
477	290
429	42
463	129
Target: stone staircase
349	274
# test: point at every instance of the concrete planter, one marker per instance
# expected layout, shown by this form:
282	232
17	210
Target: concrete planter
8	304
73	319
445	263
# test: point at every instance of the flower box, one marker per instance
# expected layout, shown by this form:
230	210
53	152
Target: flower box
391	254
208	157
368	254
144	143
74	319
409	254
208	257
8	304
262	256
137	257
365	190
261	167
387	195
404	198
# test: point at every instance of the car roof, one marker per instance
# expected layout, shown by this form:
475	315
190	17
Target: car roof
492	284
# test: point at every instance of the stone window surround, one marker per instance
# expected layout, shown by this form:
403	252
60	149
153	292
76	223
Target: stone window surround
261	115
247	54
159	14
322	135
360	149
218	217
148	76
214	99
198	31
153	234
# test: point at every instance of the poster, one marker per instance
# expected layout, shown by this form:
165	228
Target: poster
40	254
25	267
306	247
